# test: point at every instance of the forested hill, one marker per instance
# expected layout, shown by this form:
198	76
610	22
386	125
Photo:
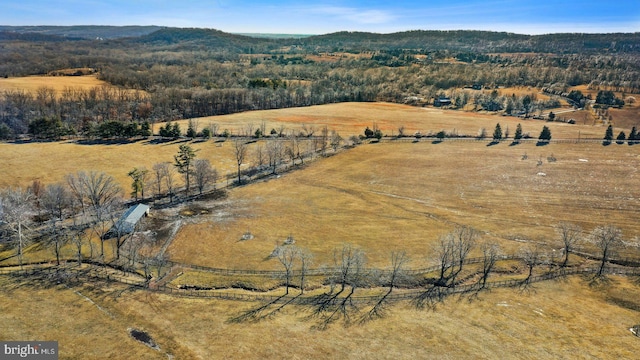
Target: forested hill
198	37
82	31
479	41
417	40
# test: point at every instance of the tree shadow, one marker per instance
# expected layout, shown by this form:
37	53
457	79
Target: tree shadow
264	311
118	141
431	297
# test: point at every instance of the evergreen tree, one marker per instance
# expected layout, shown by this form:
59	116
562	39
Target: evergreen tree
545	135
621	138
633	136
608	135
497	133
368	133
165	131
145	129
175	130
183	161
518	135
191	131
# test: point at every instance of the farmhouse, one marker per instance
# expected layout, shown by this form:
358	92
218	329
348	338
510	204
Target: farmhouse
128	221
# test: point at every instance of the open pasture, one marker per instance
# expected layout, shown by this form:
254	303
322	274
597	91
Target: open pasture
31	84
49	162
559	319
352	118
401	196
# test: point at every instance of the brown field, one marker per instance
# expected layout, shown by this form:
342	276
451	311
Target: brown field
379	197
626	118
560	320
386	197
352	118
58	83
50	162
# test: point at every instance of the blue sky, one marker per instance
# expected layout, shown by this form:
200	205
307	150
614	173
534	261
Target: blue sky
320	17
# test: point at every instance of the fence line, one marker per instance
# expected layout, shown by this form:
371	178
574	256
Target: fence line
433	138
102	273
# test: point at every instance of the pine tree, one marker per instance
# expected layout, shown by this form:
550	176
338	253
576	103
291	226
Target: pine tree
497	133
175	131
191	131
608	135
545	135
183	161
621	138
633	136
518	135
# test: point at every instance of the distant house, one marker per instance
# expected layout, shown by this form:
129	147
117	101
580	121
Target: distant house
128	221
441	101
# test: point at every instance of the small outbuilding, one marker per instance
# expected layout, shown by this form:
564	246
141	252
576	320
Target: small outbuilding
441	101
128	221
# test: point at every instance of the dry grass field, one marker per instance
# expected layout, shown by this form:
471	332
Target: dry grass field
379	197
58	83
402	196
352	118
559	320
50	161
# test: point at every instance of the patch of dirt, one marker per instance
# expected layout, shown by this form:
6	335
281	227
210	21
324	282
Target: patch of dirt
194	210
143	337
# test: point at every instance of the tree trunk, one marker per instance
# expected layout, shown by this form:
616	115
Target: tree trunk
20	244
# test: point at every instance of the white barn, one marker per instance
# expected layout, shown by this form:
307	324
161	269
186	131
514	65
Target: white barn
128	221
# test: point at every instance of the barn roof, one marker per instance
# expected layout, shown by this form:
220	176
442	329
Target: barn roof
127	222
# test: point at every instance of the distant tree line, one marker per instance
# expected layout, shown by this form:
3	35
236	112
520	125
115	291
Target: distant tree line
182	79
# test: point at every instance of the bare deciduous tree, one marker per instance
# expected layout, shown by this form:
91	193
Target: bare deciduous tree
274	154
532	256
349	272
204	174
158	176
259	155
608	239
15	214
451	253
287	255
240	148
214	129
306	258
103	194
398	262
570	236
336	140
490	254
77	185
55	200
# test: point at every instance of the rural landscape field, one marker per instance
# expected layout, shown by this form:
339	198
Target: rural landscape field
187	193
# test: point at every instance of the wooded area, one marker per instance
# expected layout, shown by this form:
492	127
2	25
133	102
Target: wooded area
187	73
